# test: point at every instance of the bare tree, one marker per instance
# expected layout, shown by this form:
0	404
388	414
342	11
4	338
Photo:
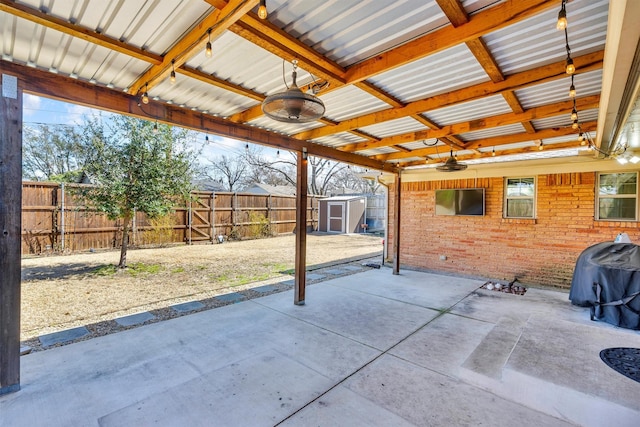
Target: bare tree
230	170
52	152
323	173
351	178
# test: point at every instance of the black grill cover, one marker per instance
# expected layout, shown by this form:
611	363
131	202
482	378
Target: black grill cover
607	279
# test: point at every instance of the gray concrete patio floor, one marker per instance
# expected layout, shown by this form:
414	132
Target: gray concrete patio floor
367	349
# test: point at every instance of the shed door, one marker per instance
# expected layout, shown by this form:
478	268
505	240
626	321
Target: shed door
335	217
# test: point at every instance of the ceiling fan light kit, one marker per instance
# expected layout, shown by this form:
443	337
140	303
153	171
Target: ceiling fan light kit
451	165
293	105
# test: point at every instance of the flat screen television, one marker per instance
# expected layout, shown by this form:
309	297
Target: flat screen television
461	201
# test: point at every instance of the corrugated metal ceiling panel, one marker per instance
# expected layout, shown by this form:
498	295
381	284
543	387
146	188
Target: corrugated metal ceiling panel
394	127
236	60
432	75
350	101
558	90
339	139
426	143
560	139
484	107
565	119
286	128
376	151
489	133
25	42
536	41
349	31
204	97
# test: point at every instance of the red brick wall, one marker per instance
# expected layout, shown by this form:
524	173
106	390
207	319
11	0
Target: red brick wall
540	251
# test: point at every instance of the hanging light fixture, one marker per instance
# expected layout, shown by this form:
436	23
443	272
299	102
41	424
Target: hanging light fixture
208	51
562	17
293	105
262	10
574	113
173	72
570	68
451	165
145	95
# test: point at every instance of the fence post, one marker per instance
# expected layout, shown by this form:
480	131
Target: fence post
212	217
62	217
189	219
234	214
269	215
134	227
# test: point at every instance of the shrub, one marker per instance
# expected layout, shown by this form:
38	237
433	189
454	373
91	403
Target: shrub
259	226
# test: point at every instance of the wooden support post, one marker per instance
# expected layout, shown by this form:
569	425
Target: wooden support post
301	229
396	227
10	225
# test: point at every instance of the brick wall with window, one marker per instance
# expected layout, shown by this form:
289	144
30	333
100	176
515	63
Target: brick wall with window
539	250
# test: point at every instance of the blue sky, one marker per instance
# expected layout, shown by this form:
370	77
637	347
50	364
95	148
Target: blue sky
48	111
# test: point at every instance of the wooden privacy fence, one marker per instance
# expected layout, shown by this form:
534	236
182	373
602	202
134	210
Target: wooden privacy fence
56	219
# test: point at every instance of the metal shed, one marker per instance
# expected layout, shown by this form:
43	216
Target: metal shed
342	214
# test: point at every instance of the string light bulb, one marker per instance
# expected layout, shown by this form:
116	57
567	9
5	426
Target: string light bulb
575	124
572	91
541	146
173	72
570	68
208	51
262	10
581	139
155	127
574	114
493	152
562	18
145	95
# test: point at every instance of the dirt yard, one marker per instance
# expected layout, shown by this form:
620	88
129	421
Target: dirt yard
61	292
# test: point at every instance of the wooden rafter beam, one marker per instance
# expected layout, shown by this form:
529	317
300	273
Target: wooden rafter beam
494	141
450	139
541	112
66	89
36	16
193	42
489	20
513	82
457	15
515	105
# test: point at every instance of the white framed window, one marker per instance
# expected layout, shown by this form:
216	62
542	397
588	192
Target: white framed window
519	197
617	196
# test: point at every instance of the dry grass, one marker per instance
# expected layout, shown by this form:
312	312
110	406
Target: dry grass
61	292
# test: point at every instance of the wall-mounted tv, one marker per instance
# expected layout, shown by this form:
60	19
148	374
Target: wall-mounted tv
461	201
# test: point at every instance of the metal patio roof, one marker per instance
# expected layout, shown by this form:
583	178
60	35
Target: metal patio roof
481	76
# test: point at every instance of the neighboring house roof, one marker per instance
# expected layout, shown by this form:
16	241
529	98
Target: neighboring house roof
279	190
207	185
